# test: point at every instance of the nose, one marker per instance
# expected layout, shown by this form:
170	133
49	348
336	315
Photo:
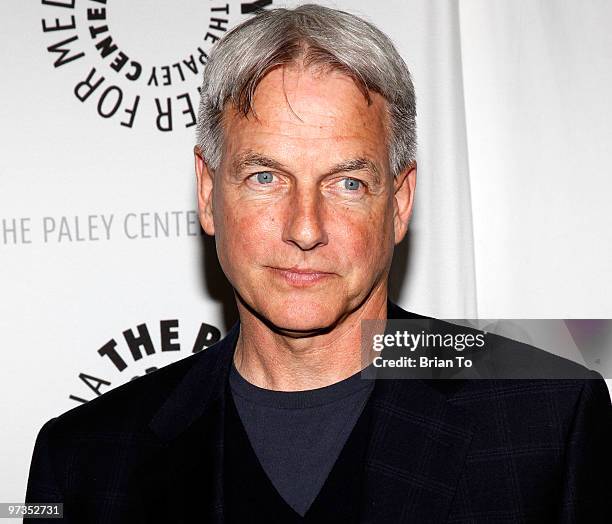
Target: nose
305	226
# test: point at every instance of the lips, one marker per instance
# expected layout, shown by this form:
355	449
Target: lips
301	277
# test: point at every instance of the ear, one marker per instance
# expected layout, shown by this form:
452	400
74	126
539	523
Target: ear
404	185
205	179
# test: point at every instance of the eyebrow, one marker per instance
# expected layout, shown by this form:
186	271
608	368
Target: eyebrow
252	159
356	164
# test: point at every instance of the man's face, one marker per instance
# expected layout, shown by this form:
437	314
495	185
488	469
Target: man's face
303	207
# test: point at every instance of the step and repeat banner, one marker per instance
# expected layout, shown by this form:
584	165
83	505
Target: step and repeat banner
105	274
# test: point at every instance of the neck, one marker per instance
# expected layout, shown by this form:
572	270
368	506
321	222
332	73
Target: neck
273	360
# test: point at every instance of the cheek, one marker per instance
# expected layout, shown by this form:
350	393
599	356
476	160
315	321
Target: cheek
367	238
246	230
255	231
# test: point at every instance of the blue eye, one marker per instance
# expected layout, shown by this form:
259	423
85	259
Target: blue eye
265	177
351	184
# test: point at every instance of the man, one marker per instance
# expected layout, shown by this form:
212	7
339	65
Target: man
306	177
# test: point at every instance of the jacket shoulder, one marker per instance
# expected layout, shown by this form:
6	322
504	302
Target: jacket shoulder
502	357
129	407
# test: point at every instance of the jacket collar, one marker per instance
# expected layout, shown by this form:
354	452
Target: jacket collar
203	384
206	380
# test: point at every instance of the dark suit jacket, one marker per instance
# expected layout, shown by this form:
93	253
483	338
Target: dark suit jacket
439	450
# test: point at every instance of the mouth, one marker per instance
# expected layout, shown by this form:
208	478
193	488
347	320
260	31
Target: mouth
301	277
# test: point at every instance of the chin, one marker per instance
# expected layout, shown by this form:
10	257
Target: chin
302	316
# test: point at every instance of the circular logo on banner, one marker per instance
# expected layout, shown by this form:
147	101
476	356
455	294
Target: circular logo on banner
140	350
141	61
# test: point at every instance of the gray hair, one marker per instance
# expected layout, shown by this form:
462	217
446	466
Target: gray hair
313	35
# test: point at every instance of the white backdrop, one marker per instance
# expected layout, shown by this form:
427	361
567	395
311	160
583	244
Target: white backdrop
98	237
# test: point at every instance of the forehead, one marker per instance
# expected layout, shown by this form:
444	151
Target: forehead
303	113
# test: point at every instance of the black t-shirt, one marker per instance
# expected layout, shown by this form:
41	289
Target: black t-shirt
298	435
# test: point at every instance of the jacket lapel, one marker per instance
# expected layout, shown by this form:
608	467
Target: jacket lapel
183	482
418	445
417	450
